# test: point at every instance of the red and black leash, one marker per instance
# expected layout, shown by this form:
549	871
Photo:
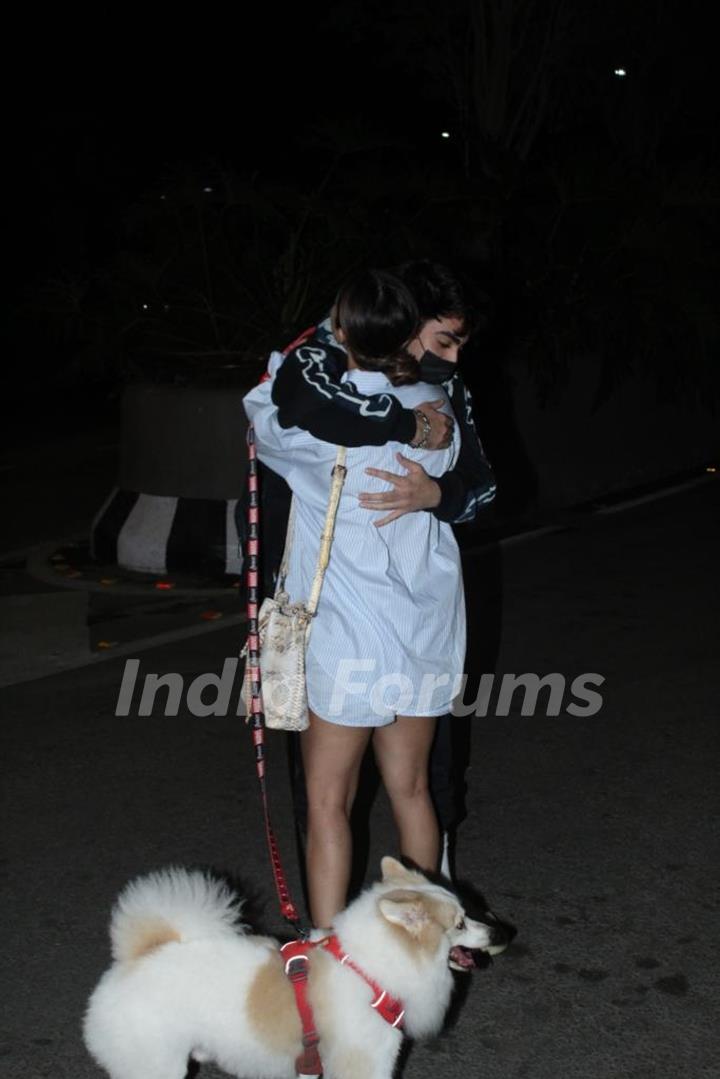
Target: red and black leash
287	907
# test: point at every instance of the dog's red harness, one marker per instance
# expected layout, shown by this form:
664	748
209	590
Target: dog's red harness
296	954
389	1007
297	958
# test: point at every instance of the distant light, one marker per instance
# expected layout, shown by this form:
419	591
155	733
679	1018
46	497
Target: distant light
207	190
620	72
163	196
144	307
444	134
711	468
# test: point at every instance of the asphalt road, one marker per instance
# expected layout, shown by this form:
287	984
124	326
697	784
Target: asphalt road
596	836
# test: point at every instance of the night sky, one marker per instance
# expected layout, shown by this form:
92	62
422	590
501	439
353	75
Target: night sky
101	106
97	124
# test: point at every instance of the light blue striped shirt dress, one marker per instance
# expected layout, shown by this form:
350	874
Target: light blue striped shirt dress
388	637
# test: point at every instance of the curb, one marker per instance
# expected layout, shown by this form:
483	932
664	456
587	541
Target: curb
37	566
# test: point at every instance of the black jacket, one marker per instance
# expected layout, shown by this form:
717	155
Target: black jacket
308	394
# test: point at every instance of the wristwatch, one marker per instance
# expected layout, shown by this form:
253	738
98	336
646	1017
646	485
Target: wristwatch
421	444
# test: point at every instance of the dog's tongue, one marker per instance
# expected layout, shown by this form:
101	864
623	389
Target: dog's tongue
462	958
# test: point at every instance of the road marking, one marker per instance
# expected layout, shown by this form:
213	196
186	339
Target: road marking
664	492
132	648
520	537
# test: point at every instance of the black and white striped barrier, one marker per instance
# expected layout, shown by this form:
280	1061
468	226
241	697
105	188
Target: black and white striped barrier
183	462
156	534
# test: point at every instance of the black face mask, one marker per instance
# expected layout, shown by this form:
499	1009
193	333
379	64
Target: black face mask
434	369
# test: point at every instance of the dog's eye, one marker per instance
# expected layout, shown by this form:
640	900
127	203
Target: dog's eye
460	924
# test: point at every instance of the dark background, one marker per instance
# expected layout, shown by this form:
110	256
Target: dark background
583	203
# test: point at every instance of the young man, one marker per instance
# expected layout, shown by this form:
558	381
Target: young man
308	394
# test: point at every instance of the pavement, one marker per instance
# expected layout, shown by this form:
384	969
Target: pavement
596	835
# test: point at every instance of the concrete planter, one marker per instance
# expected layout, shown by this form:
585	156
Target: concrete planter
182	469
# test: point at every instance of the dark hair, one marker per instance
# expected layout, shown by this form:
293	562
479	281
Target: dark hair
441	293
378	315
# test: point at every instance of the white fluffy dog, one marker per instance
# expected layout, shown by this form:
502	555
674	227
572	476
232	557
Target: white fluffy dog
188	982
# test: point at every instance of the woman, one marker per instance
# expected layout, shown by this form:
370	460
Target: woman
387	644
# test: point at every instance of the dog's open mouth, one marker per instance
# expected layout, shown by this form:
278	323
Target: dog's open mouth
461	958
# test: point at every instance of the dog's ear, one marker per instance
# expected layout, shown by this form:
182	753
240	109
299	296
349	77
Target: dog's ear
392	869
404	909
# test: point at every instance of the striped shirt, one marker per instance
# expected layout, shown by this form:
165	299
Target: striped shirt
389	634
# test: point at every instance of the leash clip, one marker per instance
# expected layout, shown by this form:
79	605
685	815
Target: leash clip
296	967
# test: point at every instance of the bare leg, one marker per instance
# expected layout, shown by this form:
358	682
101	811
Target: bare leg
332	756
402	750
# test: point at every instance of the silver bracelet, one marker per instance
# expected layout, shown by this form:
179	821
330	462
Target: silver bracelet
427	430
